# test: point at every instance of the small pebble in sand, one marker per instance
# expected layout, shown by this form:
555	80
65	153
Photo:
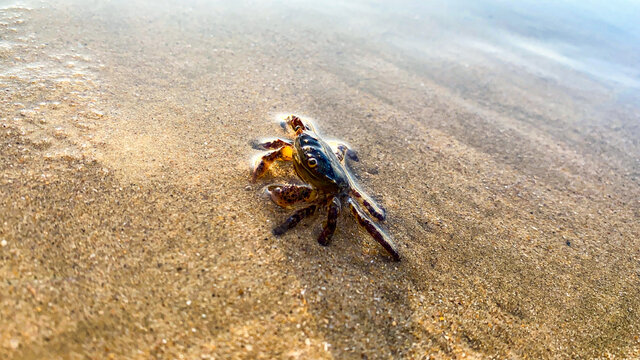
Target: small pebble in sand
3	243
14	343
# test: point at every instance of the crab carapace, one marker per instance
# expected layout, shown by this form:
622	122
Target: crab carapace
328	185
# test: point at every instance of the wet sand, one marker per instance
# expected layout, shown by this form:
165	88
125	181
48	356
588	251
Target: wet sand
129	227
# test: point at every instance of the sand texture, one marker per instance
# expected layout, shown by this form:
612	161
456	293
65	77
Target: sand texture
129	228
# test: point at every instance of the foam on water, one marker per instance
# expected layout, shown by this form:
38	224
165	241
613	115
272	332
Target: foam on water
50	88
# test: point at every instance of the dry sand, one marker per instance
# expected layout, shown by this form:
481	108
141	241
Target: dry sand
129	228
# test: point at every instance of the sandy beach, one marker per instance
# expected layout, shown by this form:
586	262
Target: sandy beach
129	228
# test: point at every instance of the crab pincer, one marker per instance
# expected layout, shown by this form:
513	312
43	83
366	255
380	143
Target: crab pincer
328	182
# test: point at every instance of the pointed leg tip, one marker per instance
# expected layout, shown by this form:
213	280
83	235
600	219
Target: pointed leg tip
391	250
322	240
255	144
392	256
255	174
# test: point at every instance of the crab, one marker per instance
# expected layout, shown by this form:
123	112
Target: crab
321	165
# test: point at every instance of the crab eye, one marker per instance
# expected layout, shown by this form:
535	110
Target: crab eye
312	162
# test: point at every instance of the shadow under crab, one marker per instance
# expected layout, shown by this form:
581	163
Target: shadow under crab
329	184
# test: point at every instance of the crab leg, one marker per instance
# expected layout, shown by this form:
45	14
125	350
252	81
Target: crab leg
270	144
373	229
341	149
287	195
374	209
332	218
285	153
294	219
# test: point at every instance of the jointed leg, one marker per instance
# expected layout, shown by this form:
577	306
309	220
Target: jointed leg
294	219
332	218
284	153
342	150
270	144
287	195
374	230
374	209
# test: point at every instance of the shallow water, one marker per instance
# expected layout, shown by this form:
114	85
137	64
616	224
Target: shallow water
502	139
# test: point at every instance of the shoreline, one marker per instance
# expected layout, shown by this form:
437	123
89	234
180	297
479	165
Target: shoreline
131	230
